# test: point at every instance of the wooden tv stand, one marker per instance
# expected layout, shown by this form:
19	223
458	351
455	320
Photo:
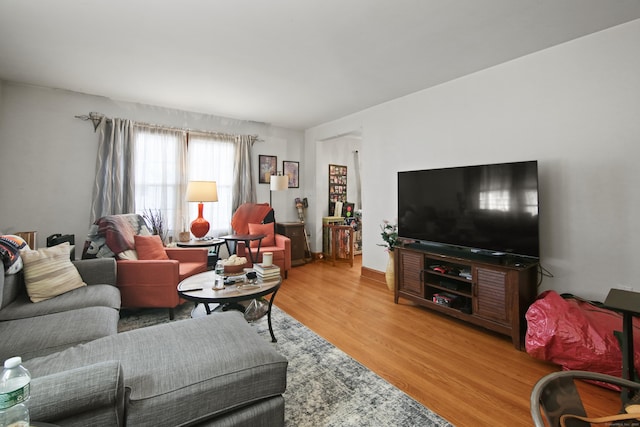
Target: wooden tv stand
490	292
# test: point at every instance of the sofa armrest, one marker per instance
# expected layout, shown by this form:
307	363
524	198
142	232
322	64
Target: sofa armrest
283	241
97	271
188	254
91	395
152	272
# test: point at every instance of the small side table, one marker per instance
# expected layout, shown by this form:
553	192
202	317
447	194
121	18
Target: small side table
233	239
627	303
205	243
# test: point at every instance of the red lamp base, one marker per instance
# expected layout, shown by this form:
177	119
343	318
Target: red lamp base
200	226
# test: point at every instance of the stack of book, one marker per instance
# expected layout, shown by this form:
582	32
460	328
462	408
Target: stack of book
266	273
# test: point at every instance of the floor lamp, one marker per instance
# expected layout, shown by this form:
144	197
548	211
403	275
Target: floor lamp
201	191
277	183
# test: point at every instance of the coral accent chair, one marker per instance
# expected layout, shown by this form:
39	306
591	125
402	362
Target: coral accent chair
153	283
259	218
147	272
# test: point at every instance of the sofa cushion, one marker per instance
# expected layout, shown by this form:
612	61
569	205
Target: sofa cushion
43	335
88	396
150	247
210	366
86	296
49	272
268	229
98	271
11	286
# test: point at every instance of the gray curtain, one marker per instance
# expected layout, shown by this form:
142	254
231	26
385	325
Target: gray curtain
244	190
113	189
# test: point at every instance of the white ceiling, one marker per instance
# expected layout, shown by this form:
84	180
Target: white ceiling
291	63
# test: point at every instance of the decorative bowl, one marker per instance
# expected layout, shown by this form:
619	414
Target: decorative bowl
234	269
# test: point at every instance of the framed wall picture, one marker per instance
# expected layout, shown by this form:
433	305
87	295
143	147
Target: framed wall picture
291	169
267	166
337	185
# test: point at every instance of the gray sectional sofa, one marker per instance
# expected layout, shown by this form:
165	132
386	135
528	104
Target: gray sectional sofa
210	371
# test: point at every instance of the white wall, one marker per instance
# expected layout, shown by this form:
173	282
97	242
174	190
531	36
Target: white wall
47	157
575	108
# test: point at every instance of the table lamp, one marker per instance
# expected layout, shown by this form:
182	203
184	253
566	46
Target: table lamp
277	183
201	191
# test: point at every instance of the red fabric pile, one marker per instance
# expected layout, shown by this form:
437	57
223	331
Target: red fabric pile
577	334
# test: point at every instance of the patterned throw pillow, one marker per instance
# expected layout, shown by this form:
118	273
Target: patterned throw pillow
10	246
49	272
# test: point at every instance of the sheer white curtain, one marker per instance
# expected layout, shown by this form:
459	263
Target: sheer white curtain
161	174
212	158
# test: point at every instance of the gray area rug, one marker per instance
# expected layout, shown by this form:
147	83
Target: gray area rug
325	387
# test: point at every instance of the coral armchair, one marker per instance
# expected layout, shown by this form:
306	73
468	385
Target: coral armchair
153	283
147	273
258	218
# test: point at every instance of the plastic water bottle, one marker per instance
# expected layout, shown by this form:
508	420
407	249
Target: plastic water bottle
219	283
14	394
220	268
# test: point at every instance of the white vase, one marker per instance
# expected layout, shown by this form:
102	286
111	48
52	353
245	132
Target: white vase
389	275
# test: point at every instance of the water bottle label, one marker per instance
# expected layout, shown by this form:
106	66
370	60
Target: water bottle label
219	268
7	400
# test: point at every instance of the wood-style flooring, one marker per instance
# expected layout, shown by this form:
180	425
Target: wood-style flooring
468	375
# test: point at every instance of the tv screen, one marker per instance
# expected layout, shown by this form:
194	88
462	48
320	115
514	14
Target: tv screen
486	207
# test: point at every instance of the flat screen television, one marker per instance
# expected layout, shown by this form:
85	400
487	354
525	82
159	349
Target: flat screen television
490	209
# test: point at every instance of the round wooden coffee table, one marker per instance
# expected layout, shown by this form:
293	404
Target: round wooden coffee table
198	288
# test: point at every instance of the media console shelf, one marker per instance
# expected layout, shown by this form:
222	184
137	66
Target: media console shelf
491	293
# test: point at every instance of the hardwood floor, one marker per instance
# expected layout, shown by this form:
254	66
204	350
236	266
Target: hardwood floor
468	375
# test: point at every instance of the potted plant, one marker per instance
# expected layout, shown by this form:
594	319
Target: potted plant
155	223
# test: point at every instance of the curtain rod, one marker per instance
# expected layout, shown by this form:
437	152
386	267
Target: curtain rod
96	118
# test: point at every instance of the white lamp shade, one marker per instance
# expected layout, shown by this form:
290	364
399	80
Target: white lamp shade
202	191
279	182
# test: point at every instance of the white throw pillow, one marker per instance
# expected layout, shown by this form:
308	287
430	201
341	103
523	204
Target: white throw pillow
49	272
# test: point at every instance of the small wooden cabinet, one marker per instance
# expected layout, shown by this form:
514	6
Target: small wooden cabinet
326	232
492	293
295	232
341	243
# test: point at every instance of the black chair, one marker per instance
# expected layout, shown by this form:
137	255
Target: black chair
556	394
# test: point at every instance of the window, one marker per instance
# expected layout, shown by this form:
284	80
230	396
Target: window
211	159
495	200
164	162
160	176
